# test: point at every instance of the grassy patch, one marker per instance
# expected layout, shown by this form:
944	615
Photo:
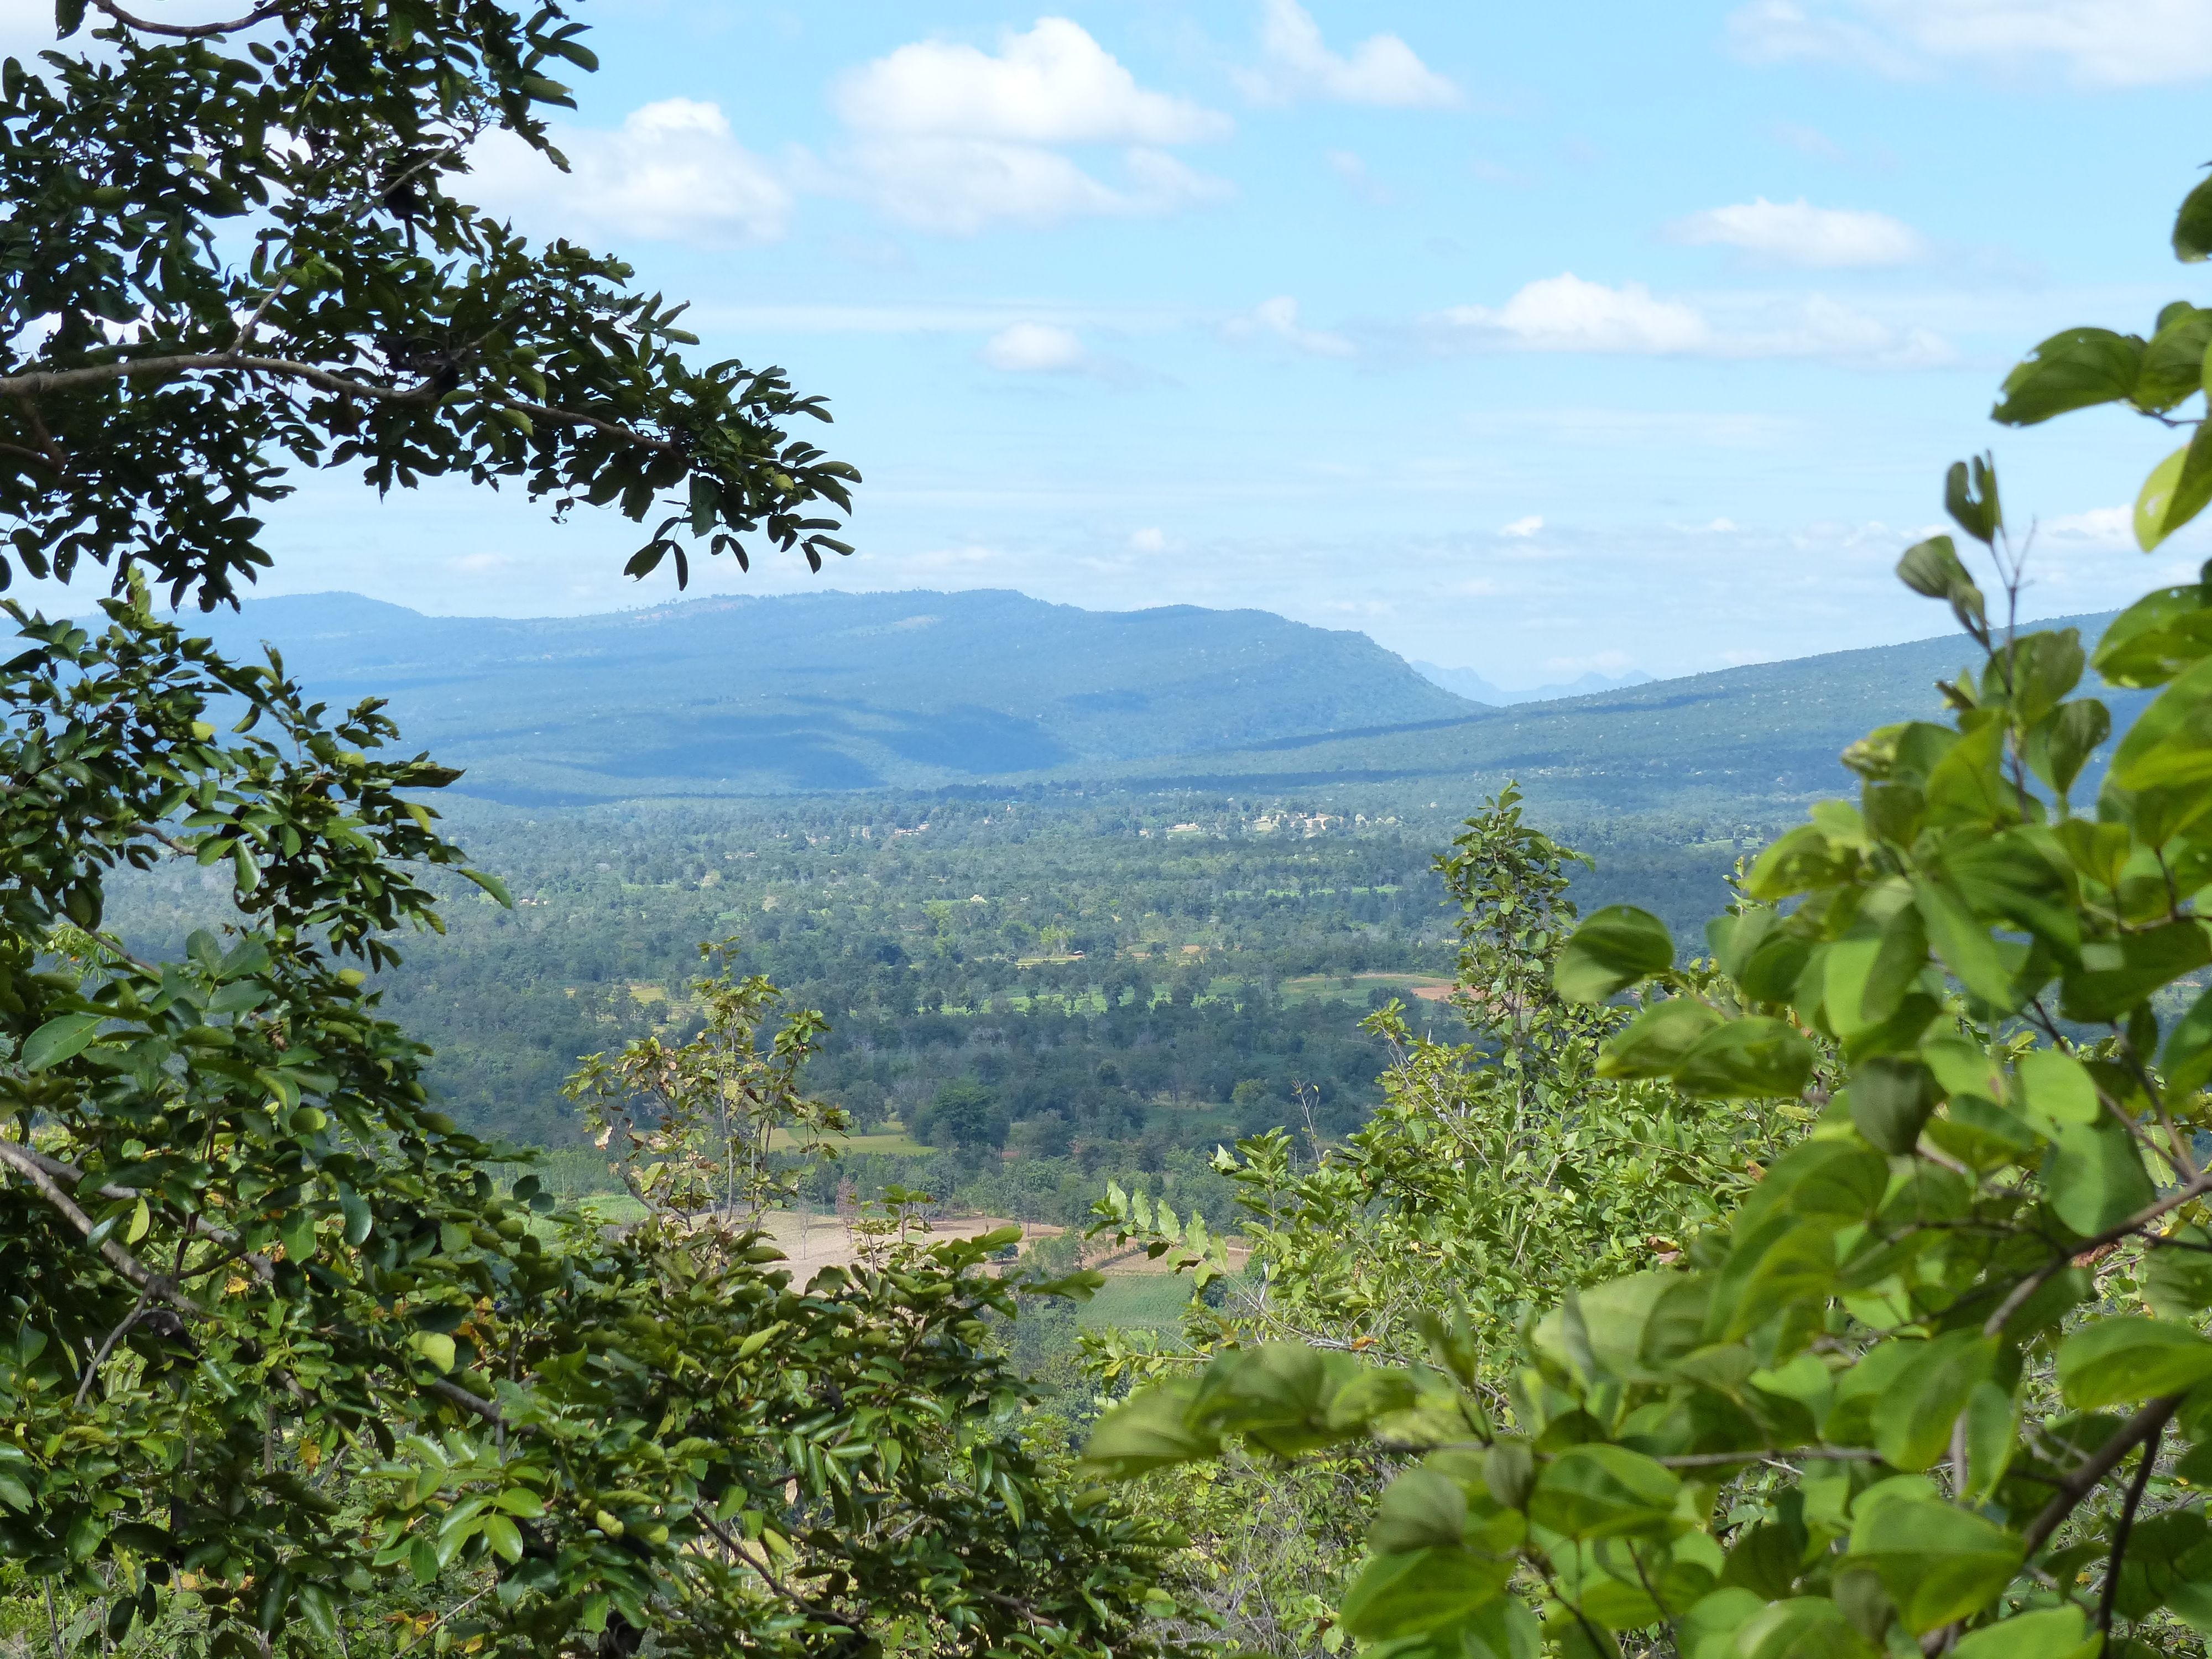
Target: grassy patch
1331	986
896	1142
1138	1300
613	1209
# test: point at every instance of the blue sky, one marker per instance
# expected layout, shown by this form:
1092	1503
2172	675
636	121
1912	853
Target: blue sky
1534	339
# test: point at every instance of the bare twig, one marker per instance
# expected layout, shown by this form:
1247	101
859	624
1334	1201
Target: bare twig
444	1618
260	14
475	1405
107	1347
2135	1224
759	1563
2120	1532
115	1255
2146	1425
70	1175
571	417
1816	1454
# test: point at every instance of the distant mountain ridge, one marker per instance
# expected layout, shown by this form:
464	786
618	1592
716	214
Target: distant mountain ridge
834	692
829	692
1757	740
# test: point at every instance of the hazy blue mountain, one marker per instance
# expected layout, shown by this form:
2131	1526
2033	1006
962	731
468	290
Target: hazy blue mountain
830	691
1471	685
1757	740
834	692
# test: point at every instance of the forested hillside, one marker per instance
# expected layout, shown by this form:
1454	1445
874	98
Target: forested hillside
1754	741
748	698
824	692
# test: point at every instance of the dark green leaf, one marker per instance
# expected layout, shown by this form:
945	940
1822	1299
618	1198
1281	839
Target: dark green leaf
1913	1420
2174	362
2095	1175
491	884
1611	950
1805	1627
2053	1633
59	1039
2123	1361
1401	1595
2178	1275
1939	1563
1754	1058
1149	1432
1932	568
1655	1042
1965	945
2073	369
2061	745
1970	496
1890	1098
2117	975
1421	1509
2159	635
1605	1492
2192	225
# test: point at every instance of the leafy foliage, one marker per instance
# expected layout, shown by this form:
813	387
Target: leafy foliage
235	243
1495	1171
1938	1383
705	1114
281	1368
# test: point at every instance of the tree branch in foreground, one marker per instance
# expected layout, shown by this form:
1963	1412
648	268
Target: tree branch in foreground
16	1158
260	14
2145	1424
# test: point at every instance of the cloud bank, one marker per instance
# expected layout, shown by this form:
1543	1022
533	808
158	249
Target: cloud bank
2102	43
949	138
672	172
1565	313
1296	64
1800	234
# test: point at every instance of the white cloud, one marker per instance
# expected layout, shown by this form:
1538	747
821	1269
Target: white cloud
1150	539
1522	528
957	186
951	139
2101	527
671	172
1278	319
2109	43
1566	313
1036	349
1053	85
1295	63
1798	234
